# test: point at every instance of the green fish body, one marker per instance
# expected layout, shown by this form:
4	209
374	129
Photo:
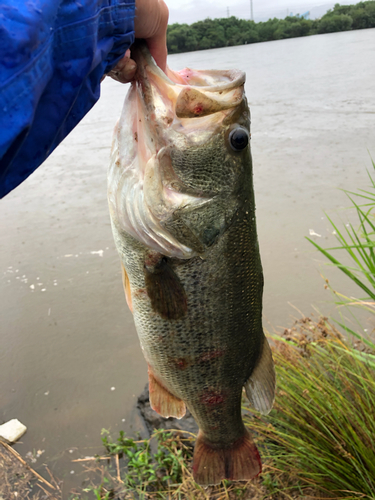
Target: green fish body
183	215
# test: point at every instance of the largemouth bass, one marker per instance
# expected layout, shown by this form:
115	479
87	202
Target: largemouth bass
183	215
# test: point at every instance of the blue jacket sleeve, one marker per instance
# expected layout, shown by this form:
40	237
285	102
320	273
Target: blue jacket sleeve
53	54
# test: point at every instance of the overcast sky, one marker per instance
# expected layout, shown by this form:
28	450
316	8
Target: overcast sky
189	11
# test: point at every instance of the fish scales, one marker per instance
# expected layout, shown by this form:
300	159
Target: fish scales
197	305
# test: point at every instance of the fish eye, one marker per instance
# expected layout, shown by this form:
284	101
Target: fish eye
239	139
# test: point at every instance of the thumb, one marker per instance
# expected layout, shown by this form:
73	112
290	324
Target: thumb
151	21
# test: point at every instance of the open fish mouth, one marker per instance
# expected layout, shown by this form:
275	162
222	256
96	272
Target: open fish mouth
164	113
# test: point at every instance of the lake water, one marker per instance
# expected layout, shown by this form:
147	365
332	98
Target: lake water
70	363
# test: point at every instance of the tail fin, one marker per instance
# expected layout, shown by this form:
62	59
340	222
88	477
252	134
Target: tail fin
240	462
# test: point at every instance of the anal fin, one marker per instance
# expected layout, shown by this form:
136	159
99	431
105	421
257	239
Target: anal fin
239	462
162	401
260	387
126	283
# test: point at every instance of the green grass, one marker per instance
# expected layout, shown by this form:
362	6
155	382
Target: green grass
321	432
154	468
150	473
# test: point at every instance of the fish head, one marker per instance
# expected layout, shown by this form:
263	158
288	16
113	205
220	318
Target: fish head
182	141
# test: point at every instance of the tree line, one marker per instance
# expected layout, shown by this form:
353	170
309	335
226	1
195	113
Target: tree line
229	31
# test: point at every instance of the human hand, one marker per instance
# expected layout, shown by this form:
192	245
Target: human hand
150	23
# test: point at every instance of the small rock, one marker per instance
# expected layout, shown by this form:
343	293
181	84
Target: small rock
11	431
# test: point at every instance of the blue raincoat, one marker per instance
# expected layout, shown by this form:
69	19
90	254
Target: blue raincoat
53	54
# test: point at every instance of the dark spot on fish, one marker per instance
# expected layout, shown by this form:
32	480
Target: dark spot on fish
212	398
136	136
141	292
181	363
207	356
154	261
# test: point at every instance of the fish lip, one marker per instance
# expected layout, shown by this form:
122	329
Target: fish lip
145	62
141	195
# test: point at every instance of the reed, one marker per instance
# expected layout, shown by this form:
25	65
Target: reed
320	435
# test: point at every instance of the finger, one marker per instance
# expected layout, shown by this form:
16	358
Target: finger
157	43
151	23
124	70
158	50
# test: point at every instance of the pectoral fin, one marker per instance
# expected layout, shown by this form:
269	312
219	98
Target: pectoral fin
166	292
162	401
126	283
260	387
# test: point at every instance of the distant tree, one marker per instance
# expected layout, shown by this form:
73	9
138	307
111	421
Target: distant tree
314	29
361	19
335	22
207	34
281	30
300	27
205	43
250	36
342	9
228	31
363	15
181	38
267	30
292	27
216	35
